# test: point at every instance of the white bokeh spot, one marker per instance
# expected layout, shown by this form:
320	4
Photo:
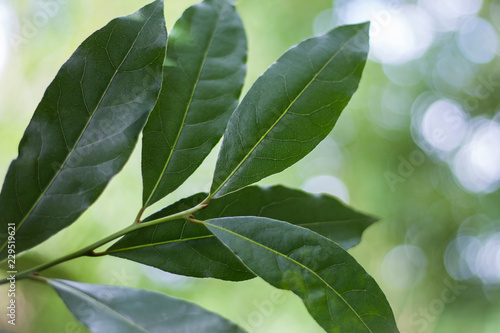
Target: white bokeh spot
477	164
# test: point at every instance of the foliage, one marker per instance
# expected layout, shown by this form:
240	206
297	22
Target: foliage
126	79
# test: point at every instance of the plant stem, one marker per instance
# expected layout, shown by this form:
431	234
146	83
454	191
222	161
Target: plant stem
139	215
89	250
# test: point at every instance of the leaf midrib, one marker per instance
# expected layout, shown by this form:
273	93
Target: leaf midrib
279	119
295	262
100	304
40	197
195	86
210	236
158	244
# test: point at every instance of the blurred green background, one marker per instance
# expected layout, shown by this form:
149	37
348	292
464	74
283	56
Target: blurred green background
418	146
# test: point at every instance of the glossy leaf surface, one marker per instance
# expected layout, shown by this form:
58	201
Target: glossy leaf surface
171	246
335	289
110	309
85	127
291	107
203	77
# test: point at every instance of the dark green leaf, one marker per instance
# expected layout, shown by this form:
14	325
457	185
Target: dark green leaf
170	246
336	290
323	213
85	127
291	107
109	309
181	247
203	77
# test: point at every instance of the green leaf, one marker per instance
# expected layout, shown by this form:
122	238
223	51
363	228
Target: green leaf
203	77
181	247
85	127
323	213
110	309
190	249
291	107
336	290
